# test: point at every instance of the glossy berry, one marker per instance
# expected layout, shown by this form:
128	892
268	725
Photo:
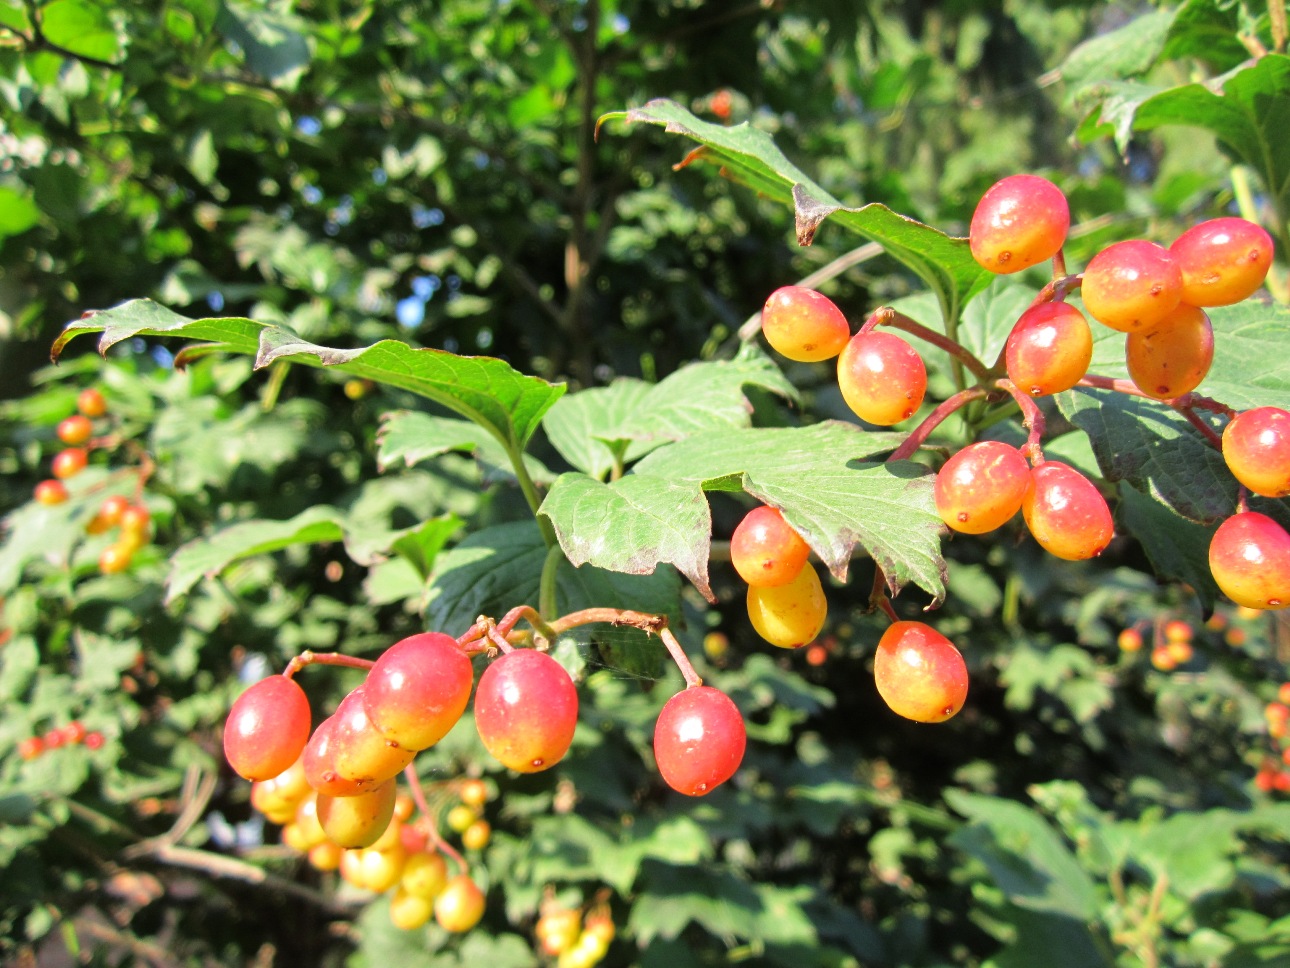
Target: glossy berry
70	462
50	492
1066	514
1249	557
473	792
526	710
1256	447
699	740
477	835
804	325
919	673
409	911
1020	221
765	549
359	751
1129	640
1173	358
90	402
1223	261
319	760
882	378
357	821
981	486
135	520
459	905
789	615
75	430
267	728
418	689
1049	349
108	516
1132	285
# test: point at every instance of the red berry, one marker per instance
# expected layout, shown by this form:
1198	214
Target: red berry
721	104
267	728
418	689
359	751
74	732
1129	640
1049	349
1132	285
75	430
981	486
804	325
91	403
1020	221
93	740
53	739
50	492
70	462
1066	514
919	673
1256	447
1222	261
1249	557
526	710
699	740
31	747
882	378
1172	358
765	549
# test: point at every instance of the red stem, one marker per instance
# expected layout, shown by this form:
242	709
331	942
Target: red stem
933	420
432	827
308	658
1059	264
878	594
1187	404
886	316
680	658
1032	418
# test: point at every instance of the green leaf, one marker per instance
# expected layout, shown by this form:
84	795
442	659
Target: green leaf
1246	332
1178	549
1128	51
606	427
749	156
485	390
410	436
83	29
17	212
13	16
271	40
815	475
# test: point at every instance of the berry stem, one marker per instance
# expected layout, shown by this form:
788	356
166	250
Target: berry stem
933	419
886	316
432	827
1032	418
1059	264
308	658
682	661
1187	404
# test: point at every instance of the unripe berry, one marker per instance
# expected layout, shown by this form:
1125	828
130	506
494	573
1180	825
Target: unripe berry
919	673
1222	261
1049	349
804	325
882	378
789	615
459	905
1256	447
1132	285
1020	221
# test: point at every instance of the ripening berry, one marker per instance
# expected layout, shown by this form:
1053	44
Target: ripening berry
135	521
1172	358
1132	285
1129	640
1249	557
919	673
765	549
418	689
1049	349
459	905
1256	447
1066	514
789	615
882	378
804	325
1222	261
477	835
50	492
267	727
116	558
359	752
473	792
716	645
1283	693
1180	650
320	764
108	516
90	402
981	487
460	817
75	430
31	747
1020	221
699	740
424	875
558	930
380	870
410	911
1177	631
357	821
1163	659
526	710
70	462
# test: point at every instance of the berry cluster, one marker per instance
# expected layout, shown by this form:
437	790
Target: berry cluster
1274	773
334	786
73	734
1156	296
575	940
116	512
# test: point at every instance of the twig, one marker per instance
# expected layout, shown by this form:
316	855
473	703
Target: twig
886	316
432	827
219	865
309	657
933	420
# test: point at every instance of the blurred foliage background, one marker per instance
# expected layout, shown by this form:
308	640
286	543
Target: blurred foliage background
430	172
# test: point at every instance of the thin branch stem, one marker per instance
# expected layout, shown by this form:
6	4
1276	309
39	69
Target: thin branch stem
886	316
680	658
920	433
432	826
1032	418
219	865
309	657
548	584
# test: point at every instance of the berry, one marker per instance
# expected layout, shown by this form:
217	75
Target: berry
70	462
357	821
1020	221
882	378
1256	447
267	728
1129	640
981	487
473	793
75	430
74	733
1172	358
526	710
789	615
359	752
919	673
109	515
1132	285
320	764
459	905
93	740
418	689
135	519
765	549
31	747
1049	349
804	325
460	817
409	911
50	492
1177	631
716	645
1066	514
558	930
1249	557
424	875
90	403
1163	659
116	558
477	835
699	740
1222	261
721	102
54	739
380	870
